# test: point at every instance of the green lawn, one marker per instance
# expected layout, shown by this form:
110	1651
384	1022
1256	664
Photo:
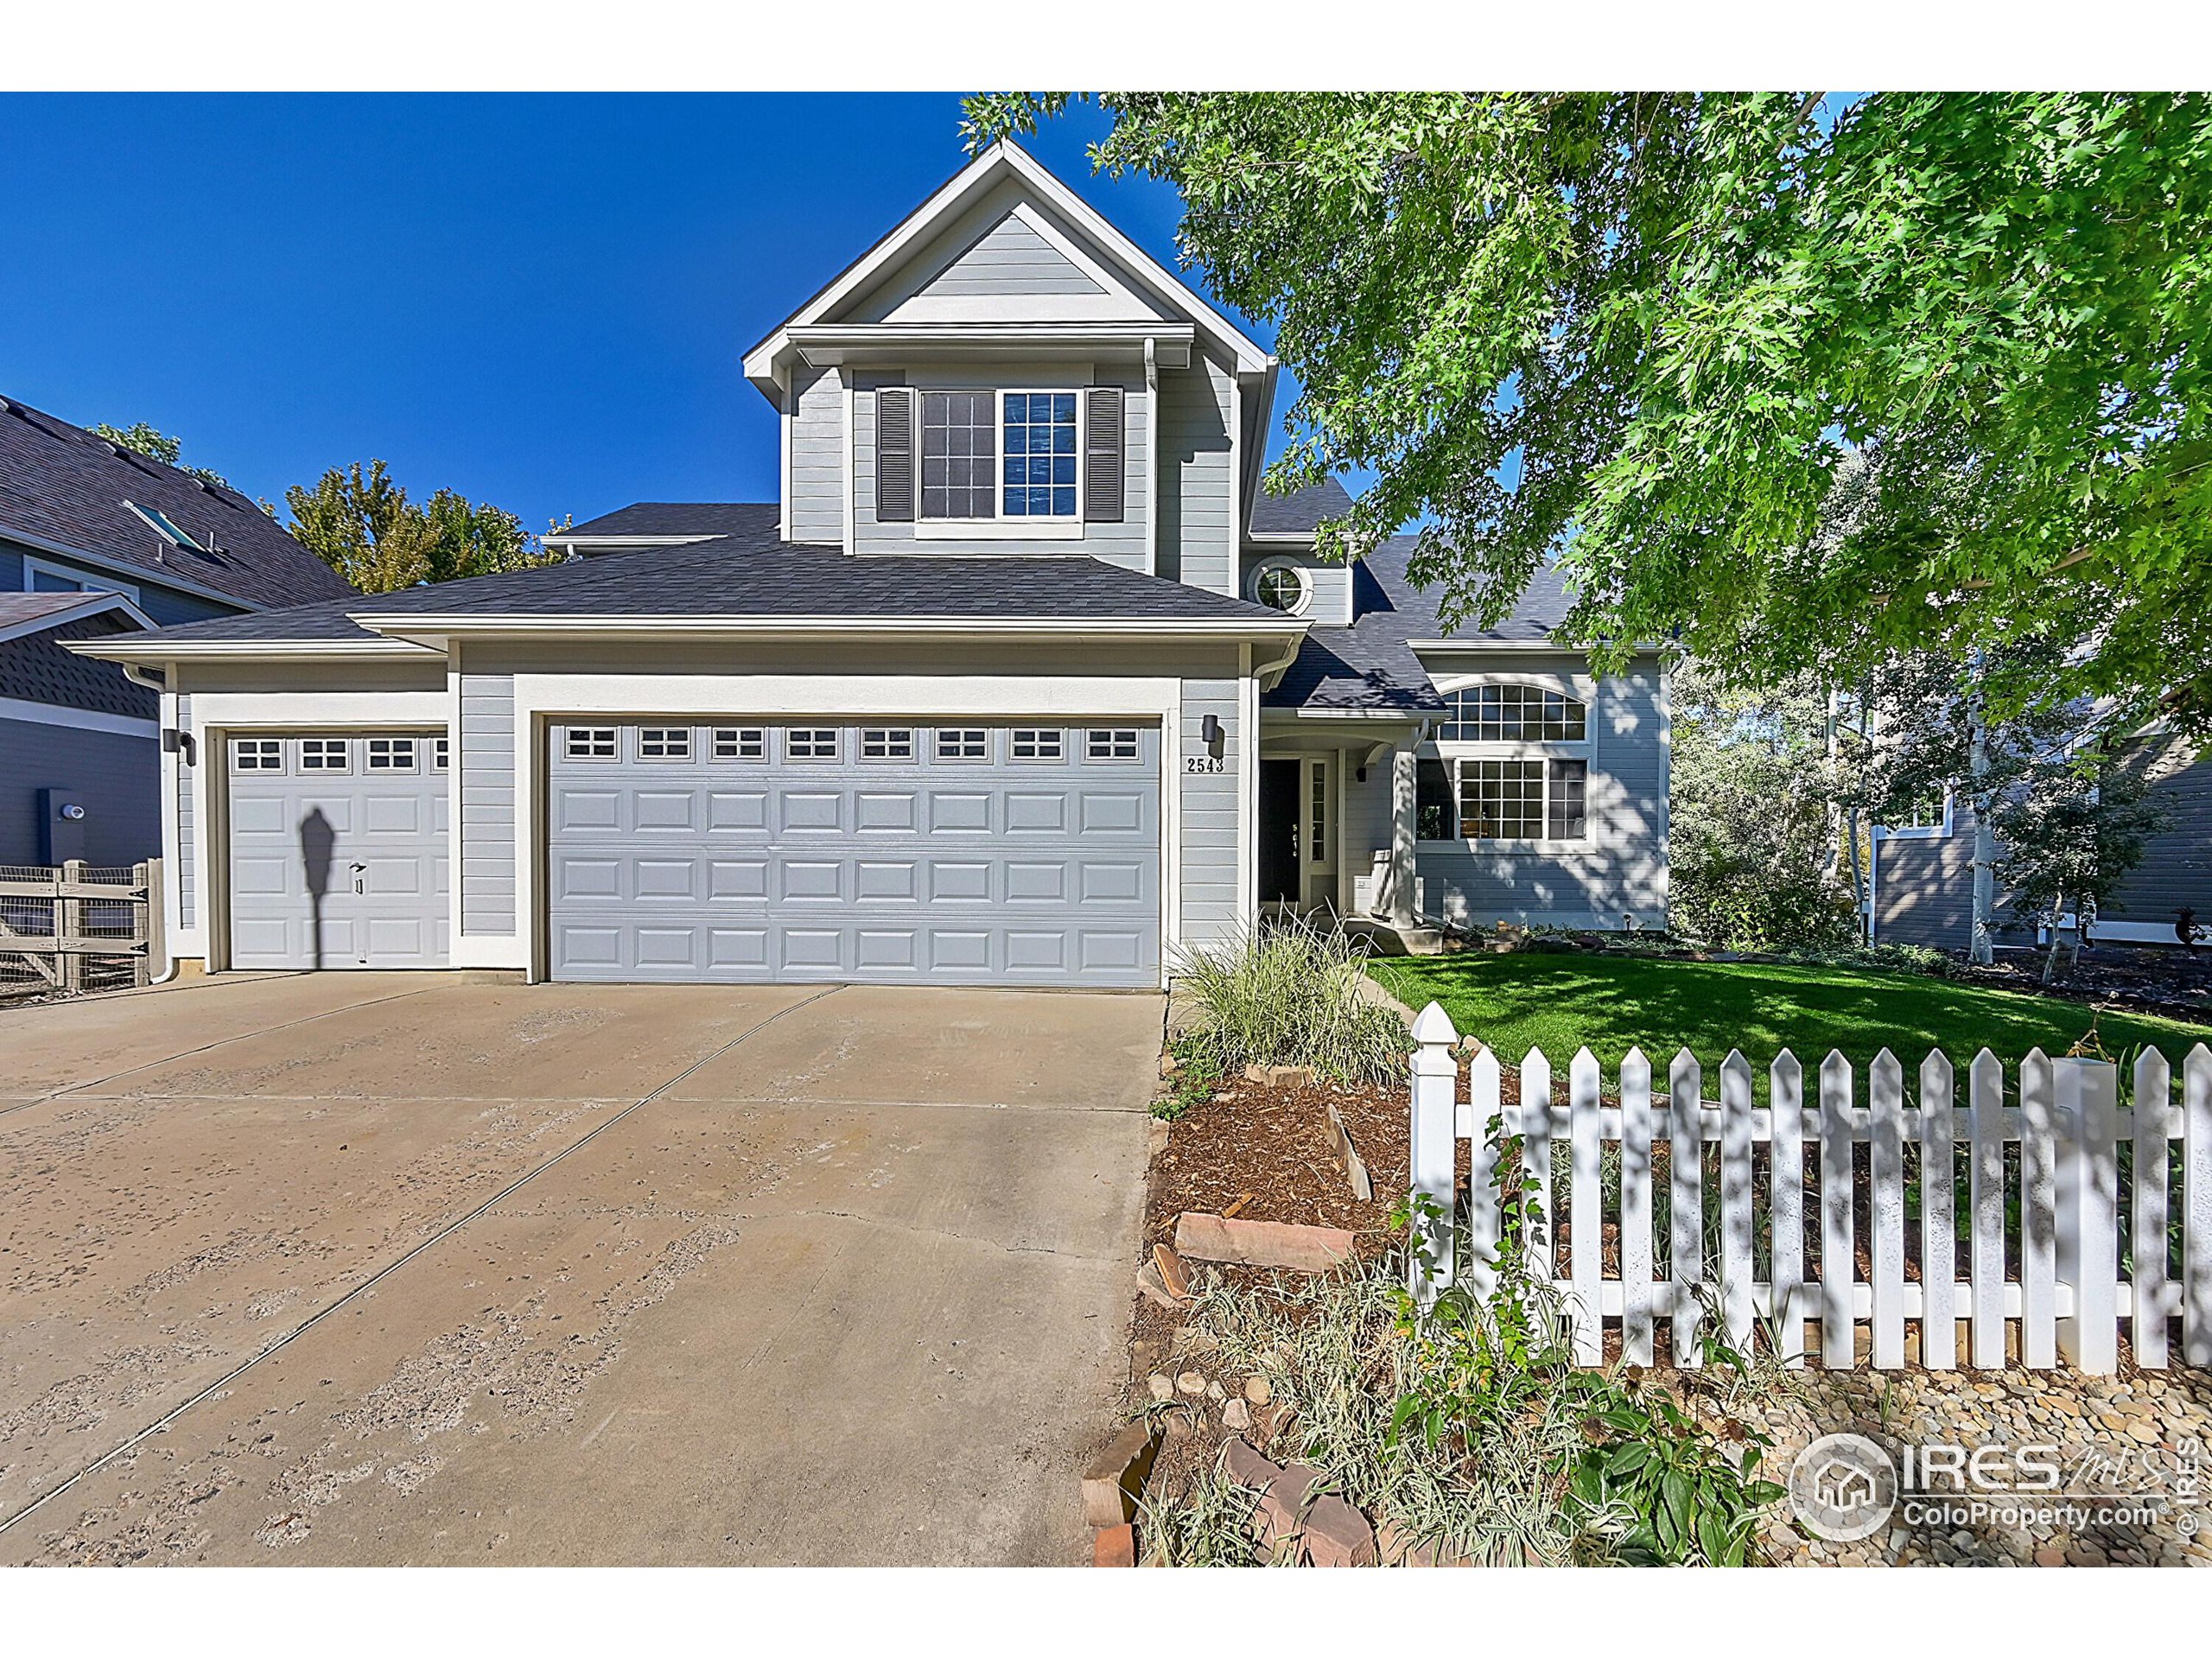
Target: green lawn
1560	1003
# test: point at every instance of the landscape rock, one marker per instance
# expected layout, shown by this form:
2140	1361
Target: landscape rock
1173	1273
1336	1534
1162	1389
1190	1382
1115	1480
1114	1545
1259	1390
1236	1414
1262	1243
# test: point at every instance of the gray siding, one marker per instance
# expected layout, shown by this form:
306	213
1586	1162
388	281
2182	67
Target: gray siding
1213	897
1009	259
1365	829
1924	887
1621	870
1123	544
1197	544
165	605
118	779
818	503
1330	580
2176	866
1924	891
188	826
487	760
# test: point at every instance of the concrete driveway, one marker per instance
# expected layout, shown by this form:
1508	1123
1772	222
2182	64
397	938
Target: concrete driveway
404	1268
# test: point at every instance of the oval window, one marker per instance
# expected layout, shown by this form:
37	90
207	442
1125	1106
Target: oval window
1282	588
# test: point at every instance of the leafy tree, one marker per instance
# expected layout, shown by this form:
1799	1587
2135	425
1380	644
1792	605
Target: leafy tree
2071	839
363	526
1752	833
1637	332
156	445
2058	820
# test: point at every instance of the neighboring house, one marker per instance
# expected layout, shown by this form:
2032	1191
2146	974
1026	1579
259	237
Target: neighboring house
96	540
1022	680
1921	882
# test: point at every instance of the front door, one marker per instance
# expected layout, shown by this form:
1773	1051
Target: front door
1279	815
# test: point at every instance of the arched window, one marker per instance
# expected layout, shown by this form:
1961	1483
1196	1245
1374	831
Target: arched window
1512	714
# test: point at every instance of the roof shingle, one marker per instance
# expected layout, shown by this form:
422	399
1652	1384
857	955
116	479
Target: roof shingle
62	485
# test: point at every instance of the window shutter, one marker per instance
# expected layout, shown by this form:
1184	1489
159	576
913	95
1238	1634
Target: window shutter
1102	449
894	456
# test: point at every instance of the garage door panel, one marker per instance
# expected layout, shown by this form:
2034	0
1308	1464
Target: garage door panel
737	810
659	810
582	809
738	878
887	879
880	812
960	812
824	870
362	849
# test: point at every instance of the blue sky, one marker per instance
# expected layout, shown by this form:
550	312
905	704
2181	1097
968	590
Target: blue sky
540	301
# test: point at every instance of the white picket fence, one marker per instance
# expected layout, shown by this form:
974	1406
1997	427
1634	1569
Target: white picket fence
2062	1287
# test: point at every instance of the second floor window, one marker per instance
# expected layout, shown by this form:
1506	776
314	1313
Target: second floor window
1040	464
959	454
988	455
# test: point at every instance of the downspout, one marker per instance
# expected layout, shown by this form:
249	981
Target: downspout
154	680
1152	456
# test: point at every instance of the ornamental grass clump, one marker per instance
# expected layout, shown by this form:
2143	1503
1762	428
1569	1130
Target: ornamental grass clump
1291	994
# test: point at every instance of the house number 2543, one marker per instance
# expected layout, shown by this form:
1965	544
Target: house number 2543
1201	763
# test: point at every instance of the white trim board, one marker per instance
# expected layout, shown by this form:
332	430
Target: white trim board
82	719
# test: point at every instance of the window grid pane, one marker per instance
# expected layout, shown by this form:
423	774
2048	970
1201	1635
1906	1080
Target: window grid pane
591	743
664	743
959	454
1112	743
1037	743
258	754
1514	714
1500	800
812	743
324	754
439	754
391	754
1040	464
963	743
886	743
1566	818
741	743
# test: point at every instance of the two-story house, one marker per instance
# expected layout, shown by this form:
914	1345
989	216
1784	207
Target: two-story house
97	540
1022	680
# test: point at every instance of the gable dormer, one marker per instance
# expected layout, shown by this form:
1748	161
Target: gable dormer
1006	373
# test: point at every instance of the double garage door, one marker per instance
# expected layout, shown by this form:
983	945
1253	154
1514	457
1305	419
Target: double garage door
920	851
338	850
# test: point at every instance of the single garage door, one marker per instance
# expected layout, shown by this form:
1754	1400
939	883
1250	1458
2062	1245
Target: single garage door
338	850
965	853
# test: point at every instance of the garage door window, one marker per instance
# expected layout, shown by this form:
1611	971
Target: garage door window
741	743
392	753
664	743
438	754
592	743
258	754
812	743
963	743
1112	743
324	754
1037	743
886	743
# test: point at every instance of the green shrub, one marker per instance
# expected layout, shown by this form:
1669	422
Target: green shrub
1290	994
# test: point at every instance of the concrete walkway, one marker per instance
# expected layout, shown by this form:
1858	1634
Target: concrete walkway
402	1268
